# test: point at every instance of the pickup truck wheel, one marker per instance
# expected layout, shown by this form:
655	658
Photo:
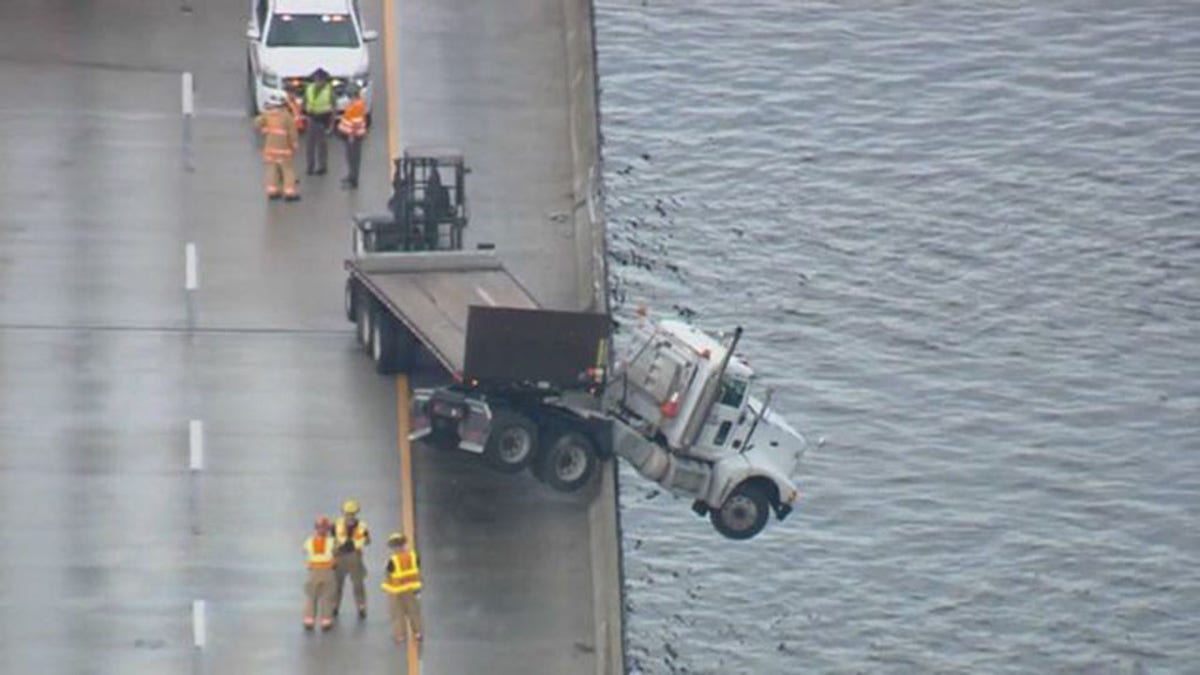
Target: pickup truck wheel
744	513
352	295
568	463
251	91
512	443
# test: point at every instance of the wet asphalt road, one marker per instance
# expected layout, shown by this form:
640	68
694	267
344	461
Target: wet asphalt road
113	547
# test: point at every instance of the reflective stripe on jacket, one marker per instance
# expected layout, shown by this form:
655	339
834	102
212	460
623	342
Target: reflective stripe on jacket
353	121
318	101
279	133
320	552
404	575
360	535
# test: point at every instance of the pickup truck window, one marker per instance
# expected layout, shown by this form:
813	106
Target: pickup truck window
312	30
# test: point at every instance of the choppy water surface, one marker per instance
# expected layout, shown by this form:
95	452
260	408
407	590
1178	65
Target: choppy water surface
965	241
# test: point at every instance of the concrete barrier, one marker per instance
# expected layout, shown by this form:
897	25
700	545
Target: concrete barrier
587	213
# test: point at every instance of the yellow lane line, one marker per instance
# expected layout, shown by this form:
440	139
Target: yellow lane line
407	510
402	428
389	58
406	495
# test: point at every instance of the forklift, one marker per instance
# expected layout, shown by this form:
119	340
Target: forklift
427	210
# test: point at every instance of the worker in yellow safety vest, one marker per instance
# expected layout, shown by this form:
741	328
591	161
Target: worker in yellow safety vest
402	582
352	125
318	589
351	535
318	106
280	140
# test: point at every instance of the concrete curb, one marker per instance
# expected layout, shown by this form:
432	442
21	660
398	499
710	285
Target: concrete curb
587	212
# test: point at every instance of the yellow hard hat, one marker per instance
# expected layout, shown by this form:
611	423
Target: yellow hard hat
350	507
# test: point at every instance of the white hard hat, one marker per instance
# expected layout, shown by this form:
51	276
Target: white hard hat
274	99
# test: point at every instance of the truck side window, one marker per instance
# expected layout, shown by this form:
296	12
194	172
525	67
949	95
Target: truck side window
732	392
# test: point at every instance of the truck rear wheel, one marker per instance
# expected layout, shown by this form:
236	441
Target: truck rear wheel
744	513
392	346
512	443
363	320
567	463
353	295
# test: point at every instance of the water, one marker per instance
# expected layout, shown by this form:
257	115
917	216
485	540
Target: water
965	241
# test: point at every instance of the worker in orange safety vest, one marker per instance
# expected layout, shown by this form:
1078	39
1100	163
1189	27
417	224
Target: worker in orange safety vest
402	583
280	140
351	535
318	589
352	125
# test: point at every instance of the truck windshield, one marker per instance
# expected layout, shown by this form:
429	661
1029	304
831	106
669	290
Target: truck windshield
732	392
312	30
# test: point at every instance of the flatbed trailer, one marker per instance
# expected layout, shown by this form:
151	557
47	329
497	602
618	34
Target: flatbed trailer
402	301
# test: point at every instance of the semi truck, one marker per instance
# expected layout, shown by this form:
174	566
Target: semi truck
539	389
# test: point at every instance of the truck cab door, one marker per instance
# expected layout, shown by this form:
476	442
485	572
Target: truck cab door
726	426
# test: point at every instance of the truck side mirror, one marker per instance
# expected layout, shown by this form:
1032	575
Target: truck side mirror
370	35
252	33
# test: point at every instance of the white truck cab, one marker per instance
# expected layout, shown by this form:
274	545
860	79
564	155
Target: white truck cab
289	39
685	391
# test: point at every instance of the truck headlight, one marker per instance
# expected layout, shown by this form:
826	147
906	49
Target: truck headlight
269	79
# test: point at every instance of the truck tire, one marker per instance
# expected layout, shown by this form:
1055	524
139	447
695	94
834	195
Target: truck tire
363	318
353	293
392	345
744	513
251	91
567	463
512	443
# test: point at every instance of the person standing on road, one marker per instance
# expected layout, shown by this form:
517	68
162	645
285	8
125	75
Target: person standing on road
318	106
402	583
318	589
351	535
278	130
352	125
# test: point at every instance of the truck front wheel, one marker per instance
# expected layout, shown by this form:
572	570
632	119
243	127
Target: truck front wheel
568	463
511	444
744	513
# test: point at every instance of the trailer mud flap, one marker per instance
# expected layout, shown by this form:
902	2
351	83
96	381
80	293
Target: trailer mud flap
420	424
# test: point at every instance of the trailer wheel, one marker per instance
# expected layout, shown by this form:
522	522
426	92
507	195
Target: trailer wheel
352	299
568	463
744	513
392	345
512	443
382	344
363	321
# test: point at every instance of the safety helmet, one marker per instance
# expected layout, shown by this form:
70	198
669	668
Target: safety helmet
397	539
350	507
322	523
274	100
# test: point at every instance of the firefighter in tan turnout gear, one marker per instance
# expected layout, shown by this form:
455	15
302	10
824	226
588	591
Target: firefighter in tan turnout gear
318	589
350	535
280	140
401	583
